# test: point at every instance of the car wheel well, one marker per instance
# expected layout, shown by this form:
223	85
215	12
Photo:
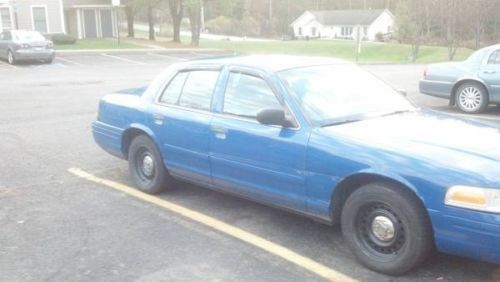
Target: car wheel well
453	96
350	184
127	138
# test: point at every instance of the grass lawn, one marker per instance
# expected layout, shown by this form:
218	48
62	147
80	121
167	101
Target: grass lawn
98	44
371	52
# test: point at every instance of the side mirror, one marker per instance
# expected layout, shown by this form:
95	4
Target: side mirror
273	117
403	92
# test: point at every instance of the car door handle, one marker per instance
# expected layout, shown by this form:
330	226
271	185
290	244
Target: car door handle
219	130
489	72
158	118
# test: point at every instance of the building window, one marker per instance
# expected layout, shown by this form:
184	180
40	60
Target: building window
300	31
346	31
365	31
39	15
5	20
313	31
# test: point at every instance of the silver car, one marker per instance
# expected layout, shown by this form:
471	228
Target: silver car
472	85
25	45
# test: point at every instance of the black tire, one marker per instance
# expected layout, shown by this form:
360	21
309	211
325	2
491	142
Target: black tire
412	239
49	61
11	59
478	100
141	154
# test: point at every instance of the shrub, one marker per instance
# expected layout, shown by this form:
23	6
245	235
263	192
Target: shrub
249	26
379	37
63	39
221	25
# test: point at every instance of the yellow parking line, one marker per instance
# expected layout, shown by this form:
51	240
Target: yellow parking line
273	248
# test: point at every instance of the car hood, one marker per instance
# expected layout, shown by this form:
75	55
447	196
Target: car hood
441	141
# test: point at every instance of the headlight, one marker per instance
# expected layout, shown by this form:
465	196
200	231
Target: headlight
475	198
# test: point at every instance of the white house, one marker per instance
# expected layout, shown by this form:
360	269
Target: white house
81	18
343	24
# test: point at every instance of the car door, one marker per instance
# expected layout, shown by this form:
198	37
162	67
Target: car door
181	118
490	74
259	161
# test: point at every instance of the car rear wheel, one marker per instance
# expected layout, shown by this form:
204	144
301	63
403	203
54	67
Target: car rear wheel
10	58
387	228
146	166
471	98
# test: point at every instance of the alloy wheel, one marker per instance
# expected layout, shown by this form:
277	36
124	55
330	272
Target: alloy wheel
470	98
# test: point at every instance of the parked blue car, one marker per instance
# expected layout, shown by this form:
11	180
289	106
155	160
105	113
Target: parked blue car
471	85
321	138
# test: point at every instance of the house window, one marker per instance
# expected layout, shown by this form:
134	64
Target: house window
39	15
365	31
313	31
5	20
300	31
346	31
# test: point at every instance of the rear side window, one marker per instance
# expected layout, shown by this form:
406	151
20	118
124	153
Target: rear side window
494	58
246	95
192	89
198	89
173	91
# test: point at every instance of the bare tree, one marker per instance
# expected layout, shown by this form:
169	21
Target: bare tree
194	12
176	11
481	13
410	25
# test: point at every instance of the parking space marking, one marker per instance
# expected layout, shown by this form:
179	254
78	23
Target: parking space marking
7	64
235	232
168	57
123	59
69	61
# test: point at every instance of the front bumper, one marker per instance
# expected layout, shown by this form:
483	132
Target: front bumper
468	233
34	54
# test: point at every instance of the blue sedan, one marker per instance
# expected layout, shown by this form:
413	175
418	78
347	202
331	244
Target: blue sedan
321	138
471	85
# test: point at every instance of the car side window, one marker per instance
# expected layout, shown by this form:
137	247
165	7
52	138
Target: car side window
5	35
246	95
494	58
198	89
172	92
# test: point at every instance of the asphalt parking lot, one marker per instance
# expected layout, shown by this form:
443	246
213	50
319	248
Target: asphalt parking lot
57	226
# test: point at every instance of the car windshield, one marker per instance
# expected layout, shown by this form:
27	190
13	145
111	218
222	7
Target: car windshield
27	36
337	94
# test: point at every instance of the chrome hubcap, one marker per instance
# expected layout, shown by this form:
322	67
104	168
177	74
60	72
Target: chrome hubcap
470	98
148	166
10	58
383	228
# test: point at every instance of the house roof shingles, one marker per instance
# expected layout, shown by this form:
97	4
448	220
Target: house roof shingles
347	17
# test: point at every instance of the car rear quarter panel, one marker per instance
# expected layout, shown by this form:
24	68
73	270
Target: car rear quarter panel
117	114
441	78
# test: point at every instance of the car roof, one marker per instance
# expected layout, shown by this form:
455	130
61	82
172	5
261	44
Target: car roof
271	62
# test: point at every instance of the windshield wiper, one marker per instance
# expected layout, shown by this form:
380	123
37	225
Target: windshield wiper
341	122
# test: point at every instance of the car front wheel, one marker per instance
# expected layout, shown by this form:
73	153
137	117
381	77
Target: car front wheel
471	98
146	166
387	228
